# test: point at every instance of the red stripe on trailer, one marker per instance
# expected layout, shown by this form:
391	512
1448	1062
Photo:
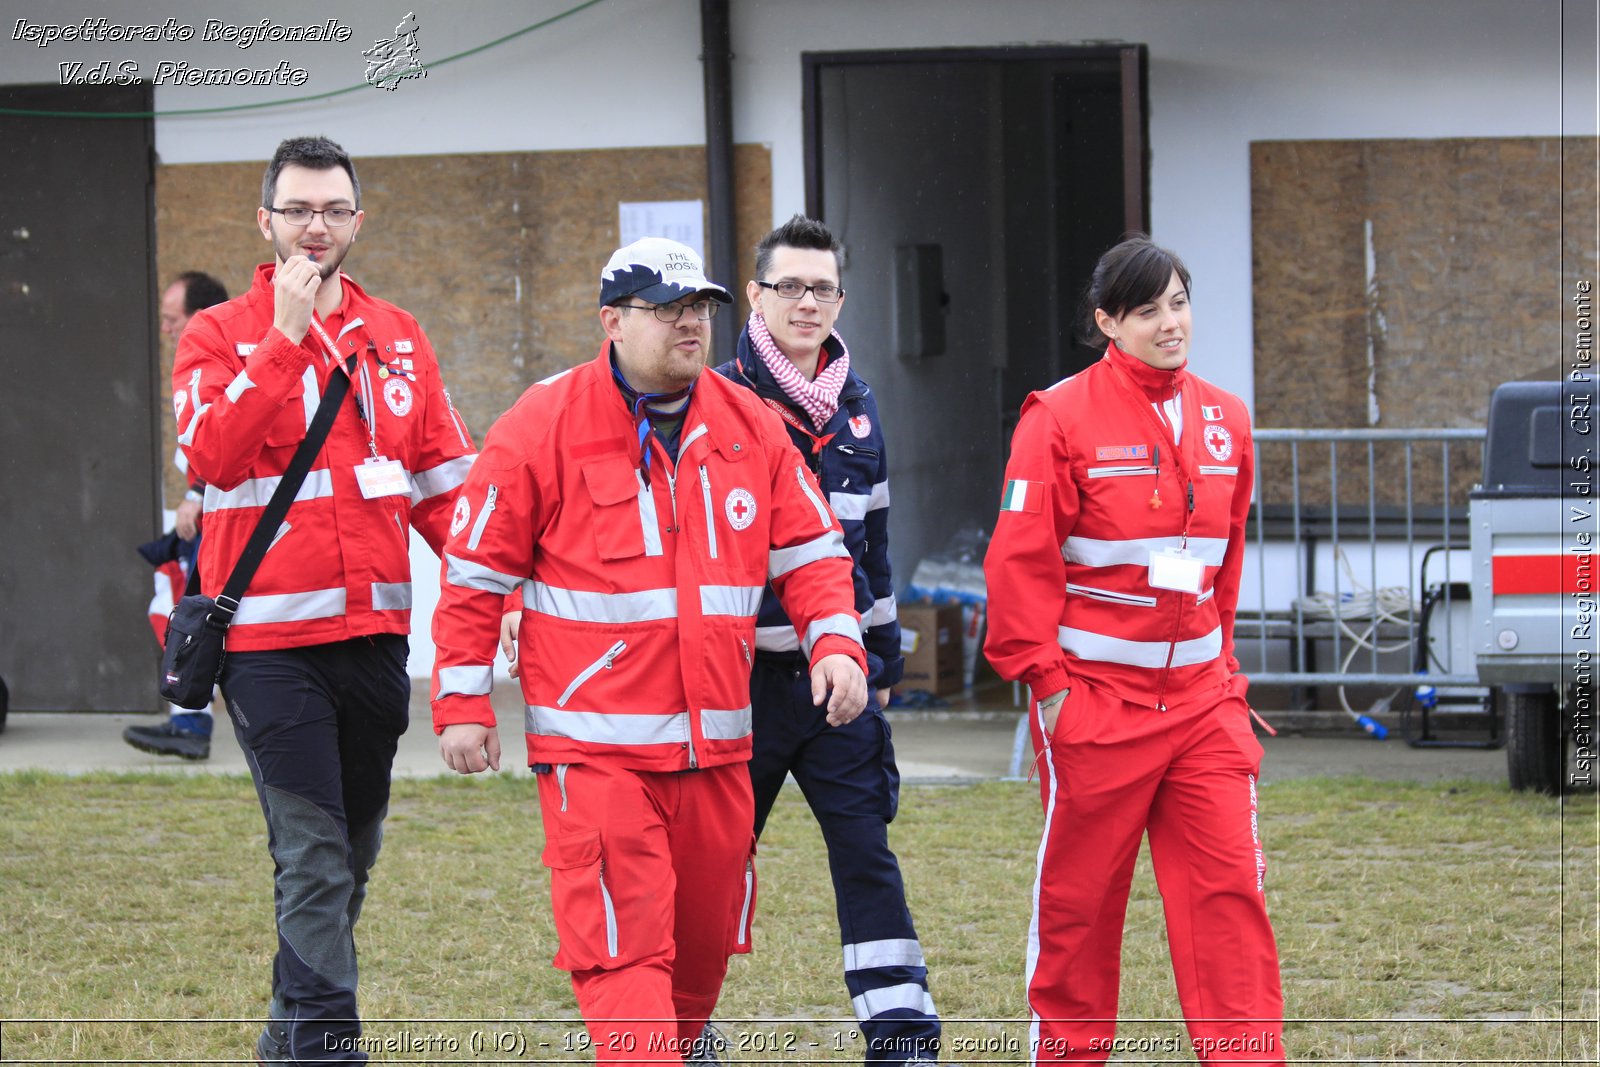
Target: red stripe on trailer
1522	575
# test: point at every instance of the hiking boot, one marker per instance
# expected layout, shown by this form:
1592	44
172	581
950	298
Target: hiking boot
711	1047
272	1047
169	740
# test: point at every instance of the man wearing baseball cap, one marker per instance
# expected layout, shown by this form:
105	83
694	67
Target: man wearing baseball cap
641	506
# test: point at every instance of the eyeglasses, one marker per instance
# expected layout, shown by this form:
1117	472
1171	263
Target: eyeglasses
825	293
703	309
300	216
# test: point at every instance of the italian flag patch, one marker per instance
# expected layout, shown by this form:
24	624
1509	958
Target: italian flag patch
1022	496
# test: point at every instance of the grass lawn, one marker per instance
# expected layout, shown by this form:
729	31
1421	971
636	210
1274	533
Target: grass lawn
1417	923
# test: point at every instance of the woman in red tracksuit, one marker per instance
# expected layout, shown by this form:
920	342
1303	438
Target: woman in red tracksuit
1113	579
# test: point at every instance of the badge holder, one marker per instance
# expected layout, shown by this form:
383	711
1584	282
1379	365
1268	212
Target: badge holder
1176	569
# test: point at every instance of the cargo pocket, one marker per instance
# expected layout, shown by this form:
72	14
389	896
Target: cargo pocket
586	919
623	508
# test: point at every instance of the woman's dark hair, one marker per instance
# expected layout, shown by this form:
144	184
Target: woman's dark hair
1135	272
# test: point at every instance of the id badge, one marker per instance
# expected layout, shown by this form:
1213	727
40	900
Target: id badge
1176	568
382	477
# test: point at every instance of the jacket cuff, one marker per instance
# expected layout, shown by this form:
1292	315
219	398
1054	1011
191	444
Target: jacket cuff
833	644
1047	680
892	672
455	710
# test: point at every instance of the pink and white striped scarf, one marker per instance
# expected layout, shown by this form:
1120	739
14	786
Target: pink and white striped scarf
819	398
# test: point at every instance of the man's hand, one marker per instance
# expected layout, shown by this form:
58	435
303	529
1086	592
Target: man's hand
883	696
843	675
468	747
188	523
294	295
1050	708
508	639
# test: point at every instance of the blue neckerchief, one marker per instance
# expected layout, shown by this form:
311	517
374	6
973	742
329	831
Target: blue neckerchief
643	406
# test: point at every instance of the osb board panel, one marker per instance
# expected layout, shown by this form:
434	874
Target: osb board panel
1396	283
497	255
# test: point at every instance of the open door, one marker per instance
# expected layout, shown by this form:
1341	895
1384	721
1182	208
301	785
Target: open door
77	426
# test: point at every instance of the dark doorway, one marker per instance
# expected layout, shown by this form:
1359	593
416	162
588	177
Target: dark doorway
974	190
78	486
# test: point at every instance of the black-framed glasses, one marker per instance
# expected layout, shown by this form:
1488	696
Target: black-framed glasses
300	216
825	293
703	309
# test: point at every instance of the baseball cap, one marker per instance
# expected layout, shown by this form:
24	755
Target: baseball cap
657	270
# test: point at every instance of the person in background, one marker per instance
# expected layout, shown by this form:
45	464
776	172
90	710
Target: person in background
186	734
794	360
1113	580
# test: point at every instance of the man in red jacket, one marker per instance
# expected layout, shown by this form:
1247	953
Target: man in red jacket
315	678
641	506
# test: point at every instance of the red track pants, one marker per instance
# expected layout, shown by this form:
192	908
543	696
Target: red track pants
646	873
1112	771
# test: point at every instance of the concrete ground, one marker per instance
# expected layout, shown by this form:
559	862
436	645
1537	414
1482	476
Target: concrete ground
964	741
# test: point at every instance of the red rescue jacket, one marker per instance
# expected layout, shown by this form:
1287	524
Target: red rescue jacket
244	397
1068	567
640	586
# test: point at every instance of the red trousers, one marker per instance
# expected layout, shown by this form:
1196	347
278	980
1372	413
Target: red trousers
647	871
1111	772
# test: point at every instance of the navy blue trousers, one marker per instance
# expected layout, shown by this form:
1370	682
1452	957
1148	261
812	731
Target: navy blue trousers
849	778
319	727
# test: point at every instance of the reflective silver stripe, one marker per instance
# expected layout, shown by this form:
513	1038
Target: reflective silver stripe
600	728
647	517
783	560
884	609
1112	597
1096	553
556	377
255	492
1119	472
725	725
1218	470
743	934
694	435
1150	654
347	327
391	596
465	574
575	605
312	395
841	625
777	639
282	530
890	952
875	1002
740	600
811	495
856	505
466	681
237	387
436	481
290	607
561	780
711	516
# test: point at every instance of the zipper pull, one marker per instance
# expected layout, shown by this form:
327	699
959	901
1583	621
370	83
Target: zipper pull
613	652
1191	497
1155	497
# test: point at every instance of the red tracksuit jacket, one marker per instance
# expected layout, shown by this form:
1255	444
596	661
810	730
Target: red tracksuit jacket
1067	569
640	587
244	397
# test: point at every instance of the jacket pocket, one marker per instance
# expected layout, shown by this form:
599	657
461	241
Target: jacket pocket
586	917
601	664
620	513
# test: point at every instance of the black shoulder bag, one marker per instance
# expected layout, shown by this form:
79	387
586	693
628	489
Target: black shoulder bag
197	629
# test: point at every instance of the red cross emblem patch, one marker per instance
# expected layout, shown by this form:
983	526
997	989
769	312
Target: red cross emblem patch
1219	442
741	508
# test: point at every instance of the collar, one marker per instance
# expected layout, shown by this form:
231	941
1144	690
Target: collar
1157	385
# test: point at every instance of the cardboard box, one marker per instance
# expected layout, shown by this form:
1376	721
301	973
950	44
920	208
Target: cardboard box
930	640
